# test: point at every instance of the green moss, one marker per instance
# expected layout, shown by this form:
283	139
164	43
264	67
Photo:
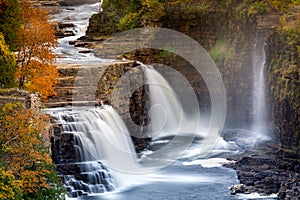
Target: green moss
217	52
259	7
284	77
129	21
222	50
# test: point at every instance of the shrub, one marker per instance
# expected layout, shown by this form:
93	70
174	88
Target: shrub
129	21
259	7
9	22
7	65
9	186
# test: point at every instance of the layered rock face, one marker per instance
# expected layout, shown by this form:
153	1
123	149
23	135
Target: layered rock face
227	34
116	84
284	84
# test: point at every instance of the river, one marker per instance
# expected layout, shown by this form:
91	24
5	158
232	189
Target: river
189	177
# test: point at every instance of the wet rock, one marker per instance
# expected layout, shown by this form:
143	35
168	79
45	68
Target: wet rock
70	18
264	169
62	25
63	33
140	144
85	38
238	189
86	51
81	44
76	2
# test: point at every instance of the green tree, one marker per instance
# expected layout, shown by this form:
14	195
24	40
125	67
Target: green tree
9	21
7	65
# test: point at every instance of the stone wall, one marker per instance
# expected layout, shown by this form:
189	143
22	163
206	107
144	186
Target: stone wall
28	100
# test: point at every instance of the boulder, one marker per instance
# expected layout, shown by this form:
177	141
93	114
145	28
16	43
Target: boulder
76	2
238	189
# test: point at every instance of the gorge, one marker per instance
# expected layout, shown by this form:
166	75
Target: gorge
257	109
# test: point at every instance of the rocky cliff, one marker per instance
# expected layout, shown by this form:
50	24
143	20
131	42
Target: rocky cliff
284	83
227	34
93	84
228	31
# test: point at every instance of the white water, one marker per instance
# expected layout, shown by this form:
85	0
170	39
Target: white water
259	89
166	113
169	117
79	16
100	134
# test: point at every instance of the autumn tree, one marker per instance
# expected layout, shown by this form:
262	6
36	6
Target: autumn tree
7	65
24	151
36	68
9	21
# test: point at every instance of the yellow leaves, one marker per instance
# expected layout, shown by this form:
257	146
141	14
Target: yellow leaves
33	180
150	5
8	185
23	149
36	68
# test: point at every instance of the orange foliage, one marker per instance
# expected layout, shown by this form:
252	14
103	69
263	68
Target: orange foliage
22	146
36	68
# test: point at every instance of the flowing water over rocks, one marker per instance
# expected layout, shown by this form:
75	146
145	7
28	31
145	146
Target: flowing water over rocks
90	164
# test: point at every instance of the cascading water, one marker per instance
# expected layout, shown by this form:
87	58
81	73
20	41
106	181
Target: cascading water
103	148
101	139
259	88
76	19
166	113
175	113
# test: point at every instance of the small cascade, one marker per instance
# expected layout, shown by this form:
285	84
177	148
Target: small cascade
75	20
176	114
166	113
259	88
101	144
173	111
94	178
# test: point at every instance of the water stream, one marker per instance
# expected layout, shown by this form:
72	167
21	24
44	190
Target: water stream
79	17
109	166
260	119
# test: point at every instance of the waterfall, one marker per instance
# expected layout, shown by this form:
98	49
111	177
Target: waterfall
174	108
175	112
259	88
166	112
103	148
